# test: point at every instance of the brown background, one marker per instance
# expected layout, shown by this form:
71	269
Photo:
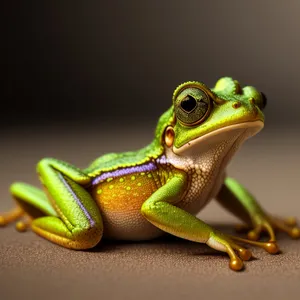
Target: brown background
82	79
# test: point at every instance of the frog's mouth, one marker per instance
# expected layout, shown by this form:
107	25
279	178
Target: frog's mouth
237	132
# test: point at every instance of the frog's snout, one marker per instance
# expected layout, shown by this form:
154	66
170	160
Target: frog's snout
250	109
260	102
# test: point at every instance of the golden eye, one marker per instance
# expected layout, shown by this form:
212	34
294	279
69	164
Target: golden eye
192	106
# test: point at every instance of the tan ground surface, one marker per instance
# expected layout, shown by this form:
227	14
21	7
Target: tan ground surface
170	268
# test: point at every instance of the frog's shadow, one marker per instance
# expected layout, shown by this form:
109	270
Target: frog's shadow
171	244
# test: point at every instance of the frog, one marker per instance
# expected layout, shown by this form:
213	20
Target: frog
160	189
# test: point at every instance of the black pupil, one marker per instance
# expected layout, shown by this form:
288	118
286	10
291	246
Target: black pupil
188	104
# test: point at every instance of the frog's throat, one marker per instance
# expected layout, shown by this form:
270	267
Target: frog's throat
208	140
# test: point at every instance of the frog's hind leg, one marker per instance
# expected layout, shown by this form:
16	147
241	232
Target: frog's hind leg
78	224
66	214
32	203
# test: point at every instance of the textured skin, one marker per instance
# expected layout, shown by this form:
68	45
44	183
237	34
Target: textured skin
140	195
121	195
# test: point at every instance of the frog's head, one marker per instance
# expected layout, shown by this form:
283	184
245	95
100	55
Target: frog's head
202	116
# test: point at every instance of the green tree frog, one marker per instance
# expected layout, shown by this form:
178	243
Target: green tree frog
160	188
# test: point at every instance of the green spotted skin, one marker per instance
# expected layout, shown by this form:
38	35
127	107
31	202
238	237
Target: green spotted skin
159	189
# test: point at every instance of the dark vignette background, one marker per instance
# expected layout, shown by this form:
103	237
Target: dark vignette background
81	78
120	61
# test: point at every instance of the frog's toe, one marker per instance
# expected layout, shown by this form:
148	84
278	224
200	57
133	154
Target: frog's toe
270	225
288	225
236	253
264	226
290	221
11	216
255	233
243	253
236	260
236	264
270	246
2	221
24	224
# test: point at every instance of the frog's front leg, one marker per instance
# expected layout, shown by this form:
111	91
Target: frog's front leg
159	209
234	197
71	219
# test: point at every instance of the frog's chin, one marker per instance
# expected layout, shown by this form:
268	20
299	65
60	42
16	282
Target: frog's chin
237	133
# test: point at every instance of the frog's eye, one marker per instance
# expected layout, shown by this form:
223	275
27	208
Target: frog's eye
188	104
192	106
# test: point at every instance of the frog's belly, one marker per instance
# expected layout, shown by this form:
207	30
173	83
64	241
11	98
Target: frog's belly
120	200
128	225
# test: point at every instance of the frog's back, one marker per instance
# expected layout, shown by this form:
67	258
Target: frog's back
114	161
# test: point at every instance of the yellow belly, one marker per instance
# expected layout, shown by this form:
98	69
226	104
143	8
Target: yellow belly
120	200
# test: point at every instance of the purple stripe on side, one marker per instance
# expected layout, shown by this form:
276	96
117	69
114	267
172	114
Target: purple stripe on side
162	160
92	222
125	171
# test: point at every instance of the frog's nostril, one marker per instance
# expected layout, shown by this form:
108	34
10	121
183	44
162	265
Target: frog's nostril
252	101
236	105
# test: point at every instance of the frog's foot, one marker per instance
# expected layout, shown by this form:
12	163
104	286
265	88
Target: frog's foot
17	215
288	225
31	204
11	216
270	247
225	243
269	225
236	253
24	224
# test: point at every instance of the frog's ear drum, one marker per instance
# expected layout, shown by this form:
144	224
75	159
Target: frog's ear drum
169	136
263	103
